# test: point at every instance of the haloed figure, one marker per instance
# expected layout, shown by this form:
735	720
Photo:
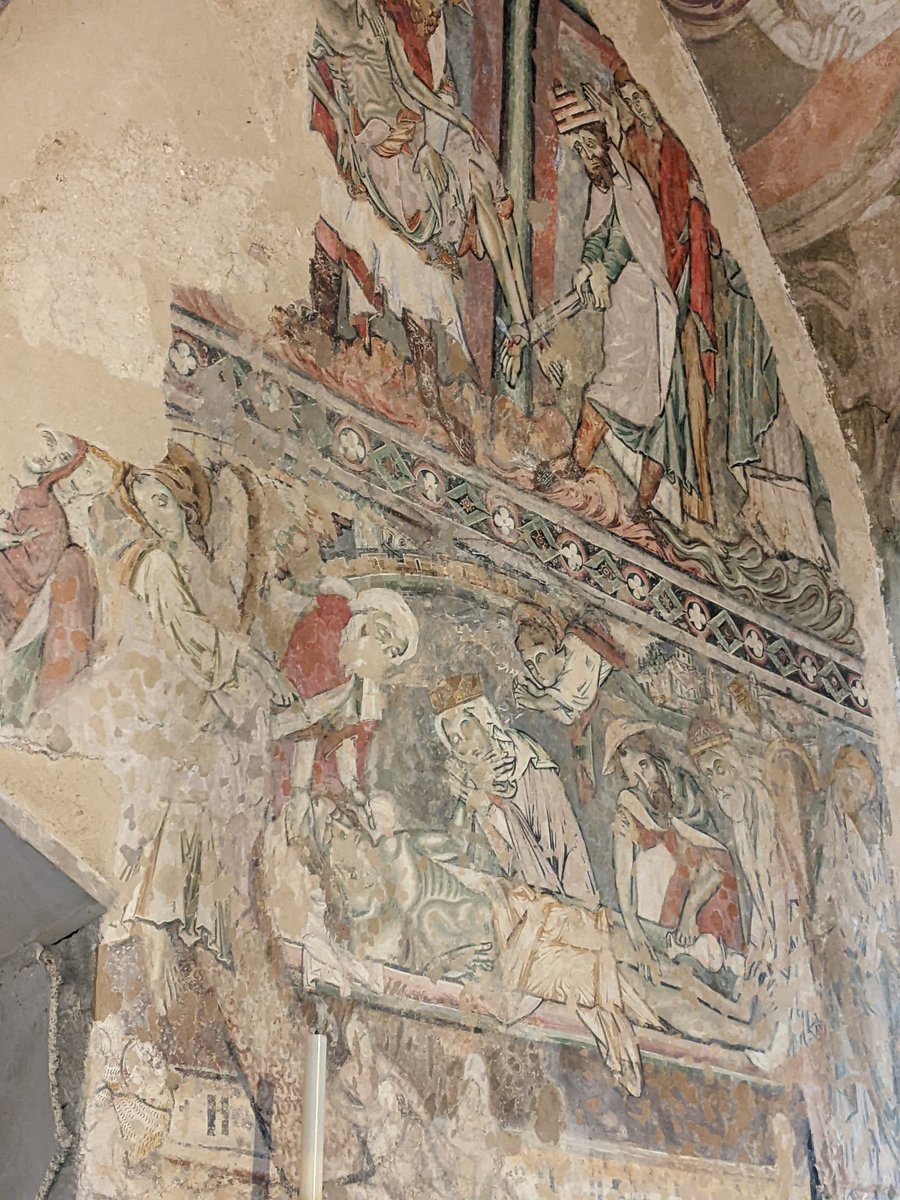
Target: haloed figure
339	656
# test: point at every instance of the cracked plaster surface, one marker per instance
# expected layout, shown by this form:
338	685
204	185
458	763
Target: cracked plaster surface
167	145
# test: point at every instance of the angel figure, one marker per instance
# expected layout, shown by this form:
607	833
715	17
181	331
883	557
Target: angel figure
341	653
565	670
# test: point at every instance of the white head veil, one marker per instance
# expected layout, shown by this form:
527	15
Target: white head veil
397	610
527	752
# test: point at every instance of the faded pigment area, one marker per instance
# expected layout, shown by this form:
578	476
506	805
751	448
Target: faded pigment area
439	608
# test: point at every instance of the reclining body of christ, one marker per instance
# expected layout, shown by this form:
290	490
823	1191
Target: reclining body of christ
406	900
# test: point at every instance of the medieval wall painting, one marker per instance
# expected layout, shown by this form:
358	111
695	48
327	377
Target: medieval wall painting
477	675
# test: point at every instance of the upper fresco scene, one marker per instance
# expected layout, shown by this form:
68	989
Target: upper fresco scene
520	277
538	288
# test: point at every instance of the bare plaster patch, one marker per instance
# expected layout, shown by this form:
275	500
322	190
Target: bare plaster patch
136	171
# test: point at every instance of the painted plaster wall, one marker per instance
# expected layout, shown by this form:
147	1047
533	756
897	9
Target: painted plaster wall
172	150
186	160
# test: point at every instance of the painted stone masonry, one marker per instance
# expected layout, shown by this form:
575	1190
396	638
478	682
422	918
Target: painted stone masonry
478	677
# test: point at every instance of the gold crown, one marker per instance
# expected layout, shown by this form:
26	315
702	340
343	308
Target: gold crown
705	734
458	689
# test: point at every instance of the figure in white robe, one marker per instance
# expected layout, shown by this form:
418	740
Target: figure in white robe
623	273
639	326
509	788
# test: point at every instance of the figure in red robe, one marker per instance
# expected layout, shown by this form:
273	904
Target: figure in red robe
48	591
339	654
675	883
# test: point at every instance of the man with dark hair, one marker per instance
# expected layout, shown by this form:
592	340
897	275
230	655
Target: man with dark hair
676	885
623	273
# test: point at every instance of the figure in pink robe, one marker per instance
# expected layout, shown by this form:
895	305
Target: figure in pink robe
48	591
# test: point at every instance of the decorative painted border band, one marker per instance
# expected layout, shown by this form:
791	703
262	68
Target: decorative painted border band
526	531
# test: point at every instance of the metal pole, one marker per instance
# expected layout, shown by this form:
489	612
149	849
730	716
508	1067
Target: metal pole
517	143
313	1164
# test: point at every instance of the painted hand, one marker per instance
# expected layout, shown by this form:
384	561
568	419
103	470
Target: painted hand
345	153
463	962
431	162
511	353
9	540
813	46
479	145
591	284
525	689
553	368
624	825
461	782
282	692
687	932
646	960
759	958
503	768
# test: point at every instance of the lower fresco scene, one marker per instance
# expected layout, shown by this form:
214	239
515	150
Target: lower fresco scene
547	867
478	679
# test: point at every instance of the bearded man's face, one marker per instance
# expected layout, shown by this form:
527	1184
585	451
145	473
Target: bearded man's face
593	150
641	766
